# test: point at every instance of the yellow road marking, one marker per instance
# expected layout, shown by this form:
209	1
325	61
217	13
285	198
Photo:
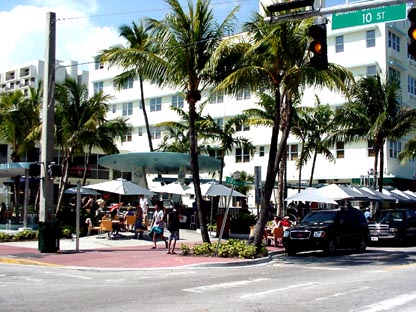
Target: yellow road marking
27	262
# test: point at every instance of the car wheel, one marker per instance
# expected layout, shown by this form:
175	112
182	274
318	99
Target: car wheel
362	245
330	247
291	252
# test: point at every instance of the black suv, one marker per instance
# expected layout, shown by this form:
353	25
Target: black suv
328	230
393	225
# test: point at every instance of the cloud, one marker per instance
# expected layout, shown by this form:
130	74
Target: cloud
23	35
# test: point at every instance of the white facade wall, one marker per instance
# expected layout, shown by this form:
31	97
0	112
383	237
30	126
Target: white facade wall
356	56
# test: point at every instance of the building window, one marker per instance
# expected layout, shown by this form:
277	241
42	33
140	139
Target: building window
411	85
156	104
395	147
243	95
242	155
98	64
128	84
219	122
215	153
98	87
155	133
394	75
371	70
261	151
127	137
370	148
371	38
177	101
128	109
292	152
217	98
340	150
242	127
393	41
339	44
140	131
114	106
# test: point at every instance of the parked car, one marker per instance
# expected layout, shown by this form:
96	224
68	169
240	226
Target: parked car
394	226
328	230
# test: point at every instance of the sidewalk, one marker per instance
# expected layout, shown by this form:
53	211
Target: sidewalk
126	253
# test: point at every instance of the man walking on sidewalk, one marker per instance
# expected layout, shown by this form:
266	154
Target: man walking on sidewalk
173	227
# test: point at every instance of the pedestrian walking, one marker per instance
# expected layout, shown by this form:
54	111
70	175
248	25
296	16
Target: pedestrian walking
173	227
158	226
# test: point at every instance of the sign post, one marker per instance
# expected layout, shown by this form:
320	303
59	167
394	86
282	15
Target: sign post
233	181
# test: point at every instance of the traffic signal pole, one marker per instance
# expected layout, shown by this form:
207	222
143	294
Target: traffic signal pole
335	9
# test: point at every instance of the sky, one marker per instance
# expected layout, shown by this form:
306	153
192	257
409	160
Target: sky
84	27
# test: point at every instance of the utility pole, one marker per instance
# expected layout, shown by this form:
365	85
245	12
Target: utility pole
47	232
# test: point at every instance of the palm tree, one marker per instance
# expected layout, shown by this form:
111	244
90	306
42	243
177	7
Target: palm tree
176	133
224	137
103	138
77	120
318	124
133	59
19	117
188	40
19	120
279	66
375	114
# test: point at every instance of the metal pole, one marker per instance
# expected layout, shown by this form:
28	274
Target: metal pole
225	219
77	215
48	119
26	201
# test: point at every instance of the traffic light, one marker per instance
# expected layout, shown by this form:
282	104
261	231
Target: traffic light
411	49
290	5
318	46
54	170
34	170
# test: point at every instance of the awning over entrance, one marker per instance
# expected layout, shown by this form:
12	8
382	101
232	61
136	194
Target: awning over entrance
14	169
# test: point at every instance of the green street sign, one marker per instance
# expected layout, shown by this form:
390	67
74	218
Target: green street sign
230	180
369	16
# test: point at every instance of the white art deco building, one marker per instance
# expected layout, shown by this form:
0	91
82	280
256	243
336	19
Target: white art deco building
365	50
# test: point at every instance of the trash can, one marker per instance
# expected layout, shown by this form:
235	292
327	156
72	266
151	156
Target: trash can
220	219
48	240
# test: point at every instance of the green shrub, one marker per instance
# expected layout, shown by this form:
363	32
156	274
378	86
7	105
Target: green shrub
186	250
205	249
4	237
240	224
67	230
26	235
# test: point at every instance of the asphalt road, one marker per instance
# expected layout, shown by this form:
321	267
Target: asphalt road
382	279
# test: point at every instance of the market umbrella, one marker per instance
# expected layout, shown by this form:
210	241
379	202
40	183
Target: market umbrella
311	195
216	189
82	190
121	187
172	188
382	196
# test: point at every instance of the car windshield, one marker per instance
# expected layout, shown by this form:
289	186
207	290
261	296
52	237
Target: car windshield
318	217
388	216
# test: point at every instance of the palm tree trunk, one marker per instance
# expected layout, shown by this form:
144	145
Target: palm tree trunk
146	119
281	186
381	171
376	153
300	164
86	164
315	154
270	175
195	169
63	180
